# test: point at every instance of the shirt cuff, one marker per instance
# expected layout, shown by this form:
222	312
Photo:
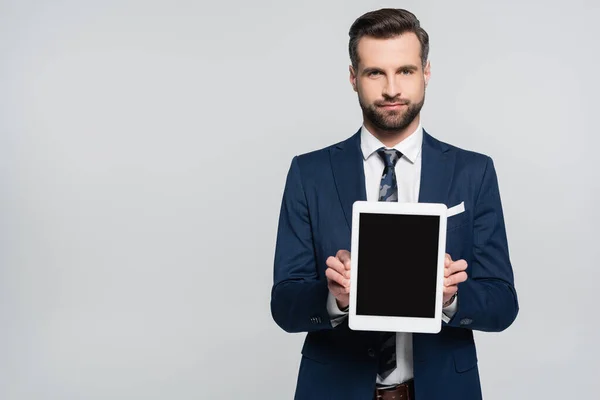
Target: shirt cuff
336	315
448	312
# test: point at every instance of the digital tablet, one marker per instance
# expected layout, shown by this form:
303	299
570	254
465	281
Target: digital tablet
397	266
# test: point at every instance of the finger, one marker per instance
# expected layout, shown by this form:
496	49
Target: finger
456	278
447	260
335	276
454	267
336	289
344	257
450	290
334	263
457	266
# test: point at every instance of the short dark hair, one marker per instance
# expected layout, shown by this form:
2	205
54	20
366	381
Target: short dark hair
386	23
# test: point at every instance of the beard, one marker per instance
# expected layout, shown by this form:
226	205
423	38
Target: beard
391	120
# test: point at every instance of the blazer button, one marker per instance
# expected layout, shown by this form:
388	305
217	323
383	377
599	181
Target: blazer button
371	353
466	321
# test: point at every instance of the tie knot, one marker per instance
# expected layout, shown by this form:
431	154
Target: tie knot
389	156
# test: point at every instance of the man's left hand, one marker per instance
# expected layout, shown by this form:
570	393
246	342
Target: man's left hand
454	273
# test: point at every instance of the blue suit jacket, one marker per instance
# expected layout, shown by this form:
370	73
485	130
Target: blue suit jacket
315	222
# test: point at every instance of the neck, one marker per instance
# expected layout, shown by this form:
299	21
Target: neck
392	138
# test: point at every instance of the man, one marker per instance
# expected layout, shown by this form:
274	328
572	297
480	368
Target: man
389	71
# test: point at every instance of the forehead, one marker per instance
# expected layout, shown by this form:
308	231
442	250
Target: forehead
392	52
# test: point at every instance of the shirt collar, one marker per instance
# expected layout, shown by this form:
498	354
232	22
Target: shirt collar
409	147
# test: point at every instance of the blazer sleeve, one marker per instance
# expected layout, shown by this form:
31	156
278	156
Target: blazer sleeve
487	300
299	294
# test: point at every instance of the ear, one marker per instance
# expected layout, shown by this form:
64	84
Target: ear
427	72
352	78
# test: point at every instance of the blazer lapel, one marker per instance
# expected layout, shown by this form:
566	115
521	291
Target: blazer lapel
348	173
437	169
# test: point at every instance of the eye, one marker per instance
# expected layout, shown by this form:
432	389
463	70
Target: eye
406	72
372	73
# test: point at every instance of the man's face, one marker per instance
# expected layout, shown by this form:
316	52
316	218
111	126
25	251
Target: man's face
390	81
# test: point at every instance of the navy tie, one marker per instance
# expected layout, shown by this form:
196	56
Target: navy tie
388	188
388	191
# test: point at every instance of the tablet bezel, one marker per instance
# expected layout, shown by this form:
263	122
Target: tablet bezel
394	323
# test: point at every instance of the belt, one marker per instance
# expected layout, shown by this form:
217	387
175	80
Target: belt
403	391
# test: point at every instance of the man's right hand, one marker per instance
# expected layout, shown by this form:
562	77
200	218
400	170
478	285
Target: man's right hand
338	277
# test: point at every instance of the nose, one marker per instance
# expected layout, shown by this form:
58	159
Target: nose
391	88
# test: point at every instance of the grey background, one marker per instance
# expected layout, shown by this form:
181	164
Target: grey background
143	151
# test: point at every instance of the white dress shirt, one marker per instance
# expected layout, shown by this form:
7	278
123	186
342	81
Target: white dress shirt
408	178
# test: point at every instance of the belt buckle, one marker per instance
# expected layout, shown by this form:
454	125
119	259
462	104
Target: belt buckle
396	391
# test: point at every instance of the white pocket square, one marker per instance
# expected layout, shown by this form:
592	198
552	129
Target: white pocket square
456	209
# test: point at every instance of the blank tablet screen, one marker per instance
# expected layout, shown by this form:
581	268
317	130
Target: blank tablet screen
397	259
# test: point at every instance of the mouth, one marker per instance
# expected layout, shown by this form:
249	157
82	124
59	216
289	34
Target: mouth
392	106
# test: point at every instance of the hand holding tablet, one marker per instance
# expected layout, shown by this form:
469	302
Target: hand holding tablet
338	277
454	273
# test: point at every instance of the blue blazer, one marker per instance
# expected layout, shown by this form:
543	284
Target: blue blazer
315	222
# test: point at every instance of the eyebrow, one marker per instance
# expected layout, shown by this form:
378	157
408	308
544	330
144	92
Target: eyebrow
409	67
